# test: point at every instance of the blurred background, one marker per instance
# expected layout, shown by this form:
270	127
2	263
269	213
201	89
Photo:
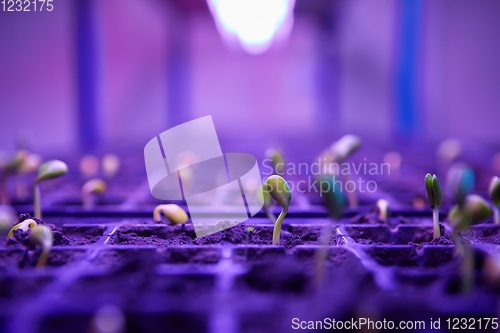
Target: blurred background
91	75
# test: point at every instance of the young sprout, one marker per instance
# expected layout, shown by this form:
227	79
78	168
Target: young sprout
435	198
341	150
475	210
42	235
110	165
49	170
280	191
383	210
494	191
89	166
173	213
277	160
90	189
9	169
461	180
24	226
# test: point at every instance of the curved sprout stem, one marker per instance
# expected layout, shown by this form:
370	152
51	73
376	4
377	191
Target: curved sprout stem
43	257
496	214
277	226
435	217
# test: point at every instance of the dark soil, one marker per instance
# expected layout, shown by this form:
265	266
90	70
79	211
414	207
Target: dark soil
167	235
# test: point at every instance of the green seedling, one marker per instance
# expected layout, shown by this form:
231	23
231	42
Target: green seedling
435	198
9	169
383	210
49	170
110	165
41	235
173	213
341	150
90	189
494	191
461	180
280	191
475	210
268	201
335	202
277	160
24	226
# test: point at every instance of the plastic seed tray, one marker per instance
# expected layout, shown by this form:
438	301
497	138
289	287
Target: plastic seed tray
164	279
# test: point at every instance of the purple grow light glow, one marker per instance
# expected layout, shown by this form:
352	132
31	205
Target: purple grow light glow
253	24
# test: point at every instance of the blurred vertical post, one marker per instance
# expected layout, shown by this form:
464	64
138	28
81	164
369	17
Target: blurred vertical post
178	66
407	93
87	65
327	69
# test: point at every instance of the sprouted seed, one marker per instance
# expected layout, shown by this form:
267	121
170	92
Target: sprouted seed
90	189
280	191
24	226
42	235
173	213
341	150
49	170
435	198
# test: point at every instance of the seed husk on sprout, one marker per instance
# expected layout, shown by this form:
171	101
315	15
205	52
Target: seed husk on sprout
173	213
435	198
49	170
280	191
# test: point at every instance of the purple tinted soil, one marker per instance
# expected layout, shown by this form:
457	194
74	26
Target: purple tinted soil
403	235
485	233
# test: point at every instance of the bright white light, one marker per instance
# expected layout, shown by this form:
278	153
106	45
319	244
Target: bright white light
253	23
